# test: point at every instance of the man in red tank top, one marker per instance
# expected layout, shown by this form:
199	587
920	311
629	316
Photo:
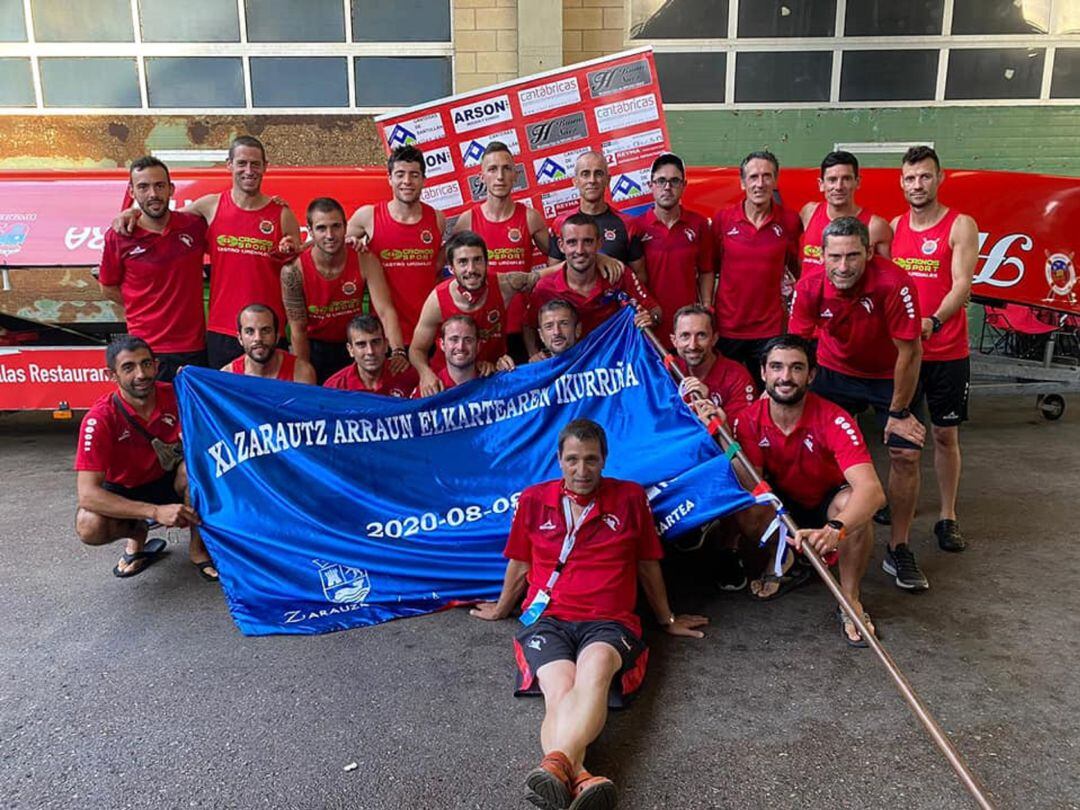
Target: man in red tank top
838	182
516	235
323	289
257	329
478	292
245	226
938	247
404	236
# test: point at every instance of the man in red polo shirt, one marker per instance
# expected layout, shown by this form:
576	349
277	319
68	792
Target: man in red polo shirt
157	272
460	343
755	242
865	312
938	247
404	236
257	330
245	227
813	455
476	291
578	548
677	243
323	289
725	383
838	182
579	281
129	464
370	370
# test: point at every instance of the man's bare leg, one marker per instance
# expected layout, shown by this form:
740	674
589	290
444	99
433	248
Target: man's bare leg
854	559
947	467
197	552
903	492
97	530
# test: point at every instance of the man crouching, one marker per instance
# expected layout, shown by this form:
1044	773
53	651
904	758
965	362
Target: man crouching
581	544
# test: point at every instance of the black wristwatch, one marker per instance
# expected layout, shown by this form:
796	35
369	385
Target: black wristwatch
936	321
835	524
903	413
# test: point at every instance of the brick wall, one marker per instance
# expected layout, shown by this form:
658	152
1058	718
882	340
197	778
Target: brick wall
485	43
592	28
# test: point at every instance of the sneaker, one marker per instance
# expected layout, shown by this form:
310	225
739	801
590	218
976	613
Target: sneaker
900	563
948	536
730	574
883	516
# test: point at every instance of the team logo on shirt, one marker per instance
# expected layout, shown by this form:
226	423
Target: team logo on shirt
493	316
779	231
609	234
764	442
867	304
611	521
546	526
646	237
186	239
733	230
266	226
168	419
690	235
138	250
929	247
349	288
426	237
809	442
514	234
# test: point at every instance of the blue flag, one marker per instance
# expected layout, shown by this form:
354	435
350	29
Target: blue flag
326	509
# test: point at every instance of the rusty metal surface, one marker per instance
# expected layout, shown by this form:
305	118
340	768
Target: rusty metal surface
87	141
60	295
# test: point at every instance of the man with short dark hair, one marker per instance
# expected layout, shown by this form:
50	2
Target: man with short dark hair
156	273
244	229
754	246
578	548
579	280
677	244
865	311
404	236
559	328
257	330
130	470
938	247
460	343
618	236
370	370
814	456
725	383
323	289
838	182
478	292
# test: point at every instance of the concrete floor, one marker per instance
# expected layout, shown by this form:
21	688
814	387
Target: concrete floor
141	693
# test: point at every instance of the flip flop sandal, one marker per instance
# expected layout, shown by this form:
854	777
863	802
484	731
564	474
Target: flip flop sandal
202	566
796	576
845	620
151	553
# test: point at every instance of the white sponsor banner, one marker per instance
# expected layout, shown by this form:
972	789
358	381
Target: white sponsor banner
443	196
631	147
438	161
415	130
627	112
483	113
550	96
472	150
552	168
630	186
555	202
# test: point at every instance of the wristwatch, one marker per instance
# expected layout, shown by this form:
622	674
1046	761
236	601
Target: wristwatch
936	321
903	413
839	526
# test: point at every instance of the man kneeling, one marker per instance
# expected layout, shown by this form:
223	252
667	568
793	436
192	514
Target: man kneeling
581	544
129	465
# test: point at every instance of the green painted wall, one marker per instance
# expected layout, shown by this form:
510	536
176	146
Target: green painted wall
1030	139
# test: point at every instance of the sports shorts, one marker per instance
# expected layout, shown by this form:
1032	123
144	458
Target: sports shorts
856	394
160	491
945	385
169	363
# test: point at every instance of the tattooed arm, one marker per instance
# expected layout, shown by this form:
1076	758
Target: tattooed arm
292	295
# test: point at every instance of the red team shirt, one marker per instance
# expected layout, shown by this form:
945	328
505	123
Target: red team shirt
599	581
160	277
242	271
809	464
856	329
285	371
927	257
444	377
510	249
674	258
391	385
810	244
596	307
490	319
109	444
331	304
729	383
750	263
407	254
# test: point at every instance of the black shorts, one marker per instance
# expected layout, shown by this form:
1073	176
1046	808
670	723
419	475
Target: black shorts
160	492
170	362
810	517
945	385
744	350
550	639
856	394
328	357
